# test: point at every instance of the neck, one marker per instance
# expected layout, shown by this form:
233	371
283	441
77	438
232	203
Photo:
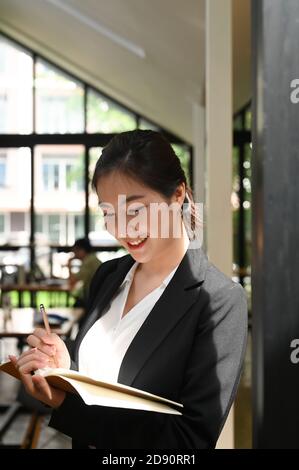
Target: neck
170	258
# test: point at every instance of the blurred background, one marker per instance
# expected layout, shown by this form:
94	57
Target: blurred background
72	75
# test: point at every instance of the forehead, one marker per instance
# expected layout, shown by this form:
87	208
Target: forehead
110	186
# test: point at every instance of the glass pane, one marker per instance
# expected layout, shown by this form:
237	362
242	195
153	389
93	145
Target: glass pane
59	194
14	268
103	115
59	101
235	201
247	204
248	120
16	79
238	124
245	211
98	235
2	223
144	124
182	151
15	194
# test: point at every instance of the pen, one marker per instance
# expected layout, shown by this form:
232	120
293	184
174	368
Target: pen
45	318
46	323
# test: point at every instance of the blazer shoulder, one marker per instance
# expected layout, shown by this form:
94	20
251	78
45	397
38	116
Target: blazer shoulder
225	297
218	282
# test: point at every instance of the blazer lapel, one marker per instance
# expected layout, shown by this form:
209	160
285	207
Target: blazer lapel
179	295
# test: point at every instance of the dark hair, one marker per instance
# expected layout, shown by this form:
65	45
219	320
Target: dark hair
147	156
83	244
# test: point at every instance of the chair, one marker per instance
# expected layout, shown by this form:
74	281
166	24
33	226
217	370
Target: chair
36	409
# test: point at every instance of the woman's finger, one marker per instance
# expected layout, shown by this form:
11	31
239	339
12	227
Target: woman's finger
42	386
43	336
29	351
27	381
35	355
38	387
13	359
40	333
31	366
35	342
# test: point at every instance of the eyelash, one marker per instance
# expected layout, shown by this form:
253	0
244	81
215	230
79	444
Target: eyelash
138	209
135	210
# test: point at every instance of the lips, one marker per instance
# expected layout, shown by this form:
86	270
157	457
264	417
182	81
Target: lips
135	244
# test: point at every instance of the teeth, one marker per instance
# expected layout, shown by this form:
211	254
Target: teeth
137	243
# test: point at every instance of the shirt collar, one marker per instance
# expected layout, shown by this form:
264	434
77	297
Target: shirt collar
130	273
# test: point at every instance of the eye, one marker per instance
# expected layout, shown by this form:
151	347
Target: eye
108	214
139	209
135	210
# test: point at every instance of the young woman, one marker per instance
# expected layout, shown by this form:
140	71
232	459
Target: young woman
161	318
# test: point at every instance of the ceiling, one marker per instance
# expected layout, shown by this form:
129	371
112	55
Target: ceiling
149	55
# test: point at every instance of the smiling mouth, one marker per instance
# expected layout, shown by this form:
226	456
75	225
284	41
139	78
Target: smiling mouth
137	243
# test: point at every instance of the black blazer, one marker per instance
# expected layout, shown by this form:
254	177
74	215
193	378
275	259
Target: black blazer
190	349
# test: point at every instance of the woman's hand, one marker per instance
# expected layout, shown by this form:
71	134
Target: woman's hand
36	385
52	347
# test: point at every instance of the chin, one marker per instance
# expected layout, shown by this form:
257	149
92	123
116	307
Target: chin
141	258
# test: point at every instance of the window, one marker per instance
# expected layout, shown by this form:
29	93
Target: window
17	221
60	104
241	199
15	194
2	223
79	226
103	115
144	124
97	234
62	172
54	228
2	171
16	80
59	101
50	176
59	193
183	152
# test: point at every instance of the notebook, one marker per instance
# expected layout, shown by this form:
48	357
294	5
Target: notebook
101	393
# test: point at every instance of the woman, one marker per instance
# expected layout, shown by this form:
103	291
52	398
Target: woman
162	318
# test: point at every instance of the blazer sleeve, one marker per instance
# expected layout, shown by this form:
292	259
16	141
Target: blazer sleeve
208	390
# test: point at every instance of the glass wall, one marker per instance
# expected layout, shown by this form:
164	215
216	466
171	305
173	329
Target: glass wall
183	152
103	115
59	194
59	101
16	84
15	196
241	198
46	201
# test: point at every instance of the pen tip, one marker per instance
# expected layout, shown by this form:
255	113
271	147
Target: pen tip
41	305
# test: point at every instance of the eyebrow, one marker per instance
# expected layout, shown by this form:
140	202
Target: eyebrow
128	199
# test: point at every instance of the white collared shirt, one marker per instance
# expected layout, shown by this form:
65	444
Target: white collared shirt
105	344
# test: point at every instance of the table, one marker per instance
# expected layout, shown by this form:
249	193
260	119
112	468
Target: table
13	330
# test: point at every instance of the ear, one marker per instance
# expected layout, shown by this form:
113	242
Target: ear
180	193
